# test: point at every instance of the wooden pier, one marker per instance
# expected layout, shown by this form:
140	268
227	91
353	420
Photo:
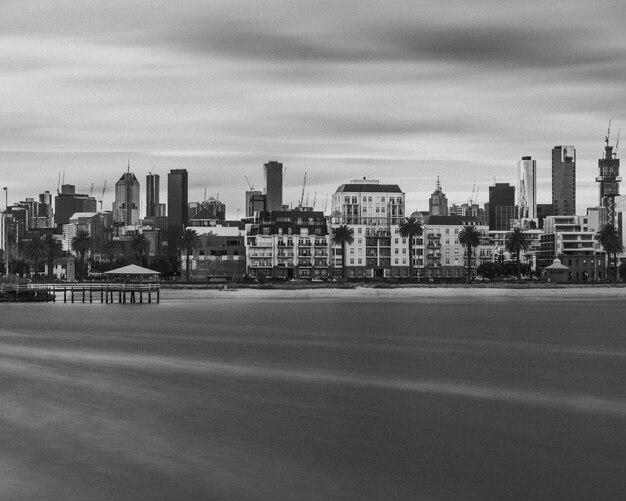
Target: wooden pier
85	293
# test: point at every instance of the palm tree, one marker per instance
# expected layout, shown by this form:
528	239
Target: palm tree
141	245
81	244
54	249
609	239
109	250
515	243
469	237
189	241
343	235
410	228
35	251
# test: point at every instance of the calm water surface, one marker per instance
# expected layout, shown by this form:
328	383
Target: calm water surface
434	399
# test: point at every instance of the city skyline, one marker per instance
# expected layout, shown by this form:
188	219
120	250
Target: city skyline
459	90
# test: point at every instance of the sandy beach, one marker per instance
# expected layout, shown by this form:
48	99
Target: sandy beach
400	294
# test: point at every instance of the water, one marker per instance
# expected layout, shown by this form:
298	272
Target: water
456	397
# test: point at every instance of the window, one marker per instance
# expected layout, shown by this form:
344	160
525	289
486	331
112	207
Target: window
351	260
396	251
447	231
369	199
360	260
351	251
358	230
360	240
456	231
396	261
396	241
382	199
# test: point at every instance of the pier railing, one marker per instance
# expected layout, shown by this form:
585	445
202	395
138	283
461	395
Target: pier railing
85	292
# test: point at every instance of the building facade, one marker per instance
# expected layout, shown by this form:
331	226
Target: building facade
127	196
501	206
68	202
273	173
445	257
288	244
438	202
153	182
527	188
564	180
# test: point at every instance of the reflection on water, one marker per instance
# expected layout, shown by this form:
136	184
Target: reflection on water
452	398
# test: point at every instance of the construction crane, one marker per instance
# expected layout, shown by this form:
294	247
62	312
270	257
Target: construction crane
303	187
91	190
104	187
608	134
474	195
314	199
619	131
326	204
250	185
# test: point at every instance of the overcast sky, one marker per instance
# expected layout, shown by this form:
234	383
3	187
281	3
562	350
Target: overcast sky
401	91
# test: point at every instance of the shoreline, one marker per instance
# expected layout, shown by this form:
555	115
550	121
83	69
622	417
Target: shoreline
397	293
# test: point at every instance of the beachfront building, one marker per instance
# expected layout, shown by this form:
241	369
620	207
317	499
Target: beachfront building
497	244
374	212
288	244
219	258
571	239
445	257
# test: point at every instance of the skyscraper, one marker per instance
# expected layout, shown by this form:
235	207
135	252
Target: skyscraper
501	206
609	179
152	194
273	185
67	202
438	202
527	188
564	180
126	204
255	202
177	198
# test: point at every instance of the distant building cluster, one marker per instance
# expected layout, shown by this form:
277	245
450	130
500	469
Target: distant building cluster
277	241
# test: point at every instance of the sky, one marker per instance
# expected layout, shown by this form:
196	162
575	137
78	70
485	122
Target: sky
400	91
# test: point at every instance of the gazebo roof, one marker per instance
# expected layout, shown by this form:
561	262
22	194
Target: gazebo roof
132	269
556	265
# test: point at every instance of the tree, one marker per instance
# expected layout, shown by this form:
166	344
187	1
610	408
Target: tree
35	251
469	237
610	240
54	249
109	250
141	245
410	228
189	241
516	242
488	270
343	235
81	244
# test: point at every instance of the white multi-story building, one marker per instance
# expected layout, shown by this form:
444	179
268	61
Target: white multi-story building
445	256
527	188
374	211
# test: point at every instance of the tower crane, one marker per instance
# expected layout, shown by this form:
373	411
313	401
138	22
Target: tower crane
303	187
104	187
250	185
474	195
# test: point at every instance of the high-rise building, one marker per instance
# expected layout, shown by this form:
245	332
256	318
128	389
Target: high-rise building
152	194
273	185
126	204
564	180
68	202
255	202
609	179
501	206
177	198
438	203
527	188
